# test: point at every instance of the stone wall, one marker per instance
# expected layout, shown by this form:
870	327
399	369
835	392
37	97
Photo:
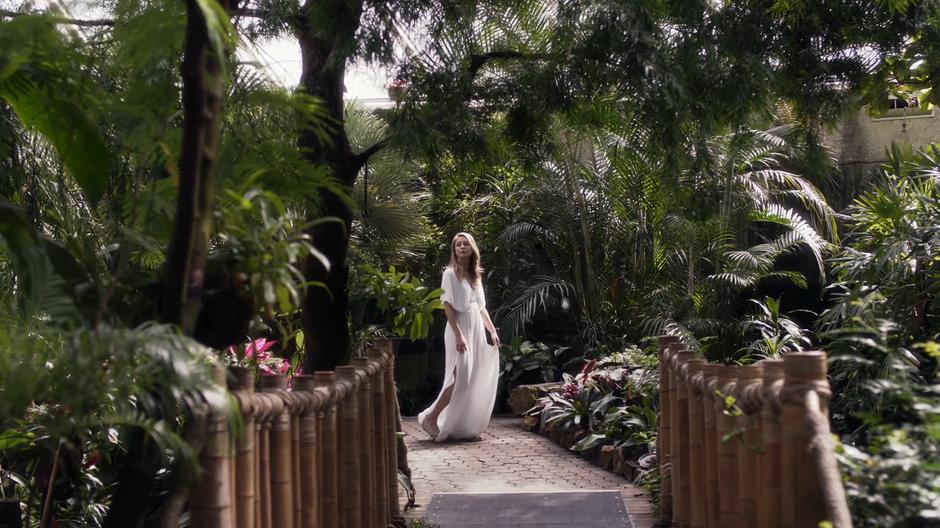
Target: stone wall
861	141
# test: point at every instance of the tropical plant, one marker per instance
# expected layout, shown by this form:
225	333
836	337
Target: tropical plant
518	357
409	304
771	332
71	400
881	332
620	237
613	400
390	199
99	151
753	197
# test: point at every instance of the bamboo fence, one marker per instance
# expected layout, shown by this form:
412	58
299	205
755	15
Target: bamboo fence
745	446
322	454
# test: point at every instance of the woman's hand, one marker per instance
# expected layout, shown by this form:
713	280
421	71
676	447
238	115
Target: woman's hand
461	344
495	337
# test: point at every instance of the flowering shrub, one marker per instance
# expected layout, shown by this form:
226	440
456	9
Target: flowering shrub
612	399
257	354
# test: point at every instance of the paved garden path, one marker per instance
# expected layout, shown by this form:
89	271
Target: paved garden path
509	459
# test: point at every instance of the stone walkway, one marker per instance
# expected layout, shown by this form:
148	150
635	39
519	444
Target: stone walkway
509	459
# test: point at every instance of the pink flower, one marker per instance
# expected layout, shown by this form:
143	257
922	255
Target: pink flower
258	349
571	390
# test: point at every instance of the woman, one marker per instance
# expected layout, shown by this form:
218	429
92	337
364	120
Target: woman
462	409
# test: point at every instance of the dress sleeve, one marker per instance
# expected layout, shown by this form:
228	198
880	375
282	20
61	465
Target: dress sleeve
481	297
453	292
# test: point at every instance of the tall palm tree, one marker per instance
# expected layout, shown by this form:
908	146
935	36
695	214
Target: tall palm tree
748	211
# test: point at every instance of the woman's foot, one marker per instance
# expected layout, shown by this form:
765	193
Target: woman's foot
429	426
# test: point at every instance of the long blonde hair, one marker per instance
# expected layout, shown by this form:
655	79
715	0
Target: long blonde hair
474	271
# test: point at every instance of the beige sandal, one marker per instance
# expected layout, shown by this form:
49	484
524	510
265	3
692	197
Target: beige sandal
429	427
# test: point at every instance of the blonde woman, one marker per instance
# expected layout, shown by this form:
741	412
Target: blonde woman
462	409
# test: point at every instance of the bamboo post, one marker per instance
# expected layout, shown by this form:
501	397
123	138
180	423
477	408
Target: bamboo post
822	448
244	389
210	500
664	439
749	398
367	467
261	405
281	486
349	445
298	402
308	480
682	504
710	460
379	408
233	499
379	493
803	372
329	491
697	485
264	460
768	498
391	402
729	489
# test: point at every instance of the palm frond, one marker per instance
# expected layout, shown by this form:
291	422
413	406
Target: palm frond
543	290
789	218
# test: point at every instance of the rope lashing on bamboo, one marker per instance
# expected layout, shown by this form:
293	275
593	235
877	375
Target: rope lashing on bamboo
747	446
303	452
823	448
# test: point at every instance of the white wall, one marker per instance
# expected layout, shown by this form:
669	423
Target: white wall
862	139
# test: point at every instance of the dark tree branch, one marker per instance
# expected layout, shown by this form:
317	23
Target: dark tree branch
359	160
60	20
477	61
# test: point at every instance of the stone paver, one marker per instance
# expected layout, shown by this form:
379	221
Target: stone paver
509	459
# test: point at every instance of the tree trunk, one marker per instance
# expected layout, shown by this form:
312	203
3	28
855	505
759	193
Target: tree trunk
203	85
326	333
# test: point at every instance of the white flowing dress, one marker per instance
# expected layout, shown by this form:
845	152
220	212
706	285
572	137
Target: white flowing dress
474	373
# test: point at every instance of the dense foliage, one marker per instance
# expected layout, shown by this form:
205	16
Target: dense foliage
882	330
631	169
101	400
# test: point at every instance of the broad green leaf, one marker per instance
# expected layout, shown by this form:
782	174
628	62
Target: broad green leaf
45	103
12	438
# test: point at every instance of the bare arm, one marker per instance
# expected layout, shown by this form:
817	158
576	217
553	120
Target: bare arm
488	323
452	321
